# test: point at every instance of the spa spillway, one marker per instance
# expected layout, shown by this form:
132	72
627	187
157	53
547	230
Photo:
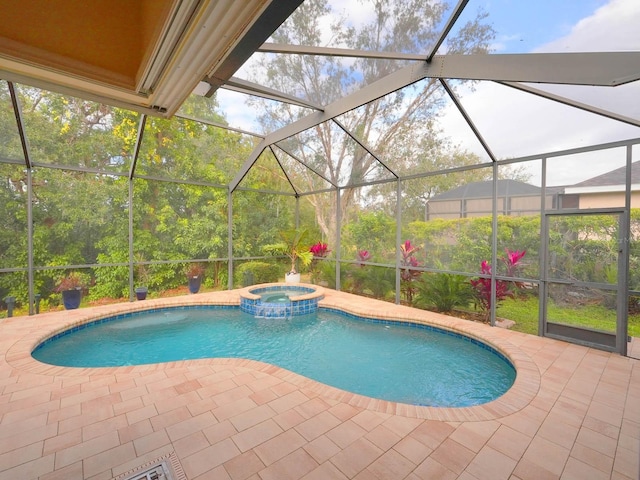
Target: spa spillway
280	300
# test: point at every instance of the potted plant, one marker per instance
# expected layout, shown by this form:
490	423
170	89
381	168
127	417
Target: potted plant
70	287
195	273
141	292
143	278
294	246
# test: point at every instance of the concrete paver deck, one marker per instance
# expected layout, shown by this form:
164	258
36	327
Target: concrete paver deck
574	413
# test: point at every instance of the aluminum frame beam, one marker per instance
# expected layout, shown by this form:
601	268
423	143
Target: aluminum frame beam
453	18
468	119
282	48
615	68
573	103
250	88
272	17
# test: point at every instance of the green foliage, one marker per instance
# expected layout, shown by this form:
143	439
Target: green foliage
373	231
81	215
260	272
390	125
327	273
379	281
461	244
257	220
295	245
443	291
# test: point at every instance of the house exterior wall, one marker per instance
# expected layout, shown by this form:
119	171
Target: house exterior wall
480	207
607	200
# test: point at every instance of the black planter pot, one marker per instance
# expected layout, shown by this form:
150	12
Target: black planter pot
141	293
194	284
71	298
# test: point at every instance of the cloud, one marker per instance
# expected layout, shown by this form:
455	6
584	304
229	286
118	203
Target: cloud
612	27
518	124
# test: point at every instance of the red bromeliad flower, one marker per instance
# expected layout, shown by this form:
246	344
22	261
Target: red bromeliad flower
408	250
408	274
363	256
408	260
504	288
485	268
319	249
512	259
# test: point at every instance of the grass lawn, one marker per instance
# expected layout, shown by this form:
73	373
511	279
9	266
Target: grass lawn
524	311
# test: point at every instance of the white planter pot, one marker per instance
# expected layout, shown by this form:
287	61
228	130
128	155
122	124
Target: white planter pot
292	278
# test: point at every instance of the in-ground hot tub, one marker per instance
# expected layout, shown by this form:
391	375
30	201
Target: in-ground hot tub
280	300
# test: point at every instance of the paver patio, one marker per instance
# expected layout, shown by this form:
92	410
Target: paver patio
574	413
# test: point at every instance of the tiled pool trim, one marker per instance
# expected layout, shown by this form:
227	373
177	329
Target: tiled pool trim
303	304
352	316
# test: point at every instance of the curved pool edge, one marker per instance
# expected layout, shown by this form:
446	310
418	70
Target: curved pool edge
522	392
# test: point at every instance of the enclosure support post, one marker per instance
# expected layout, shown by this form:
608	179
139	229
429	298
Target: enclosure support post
30	240
131	295
622	330
544	245
132	170
494	244
398	240
338	239
26	151
230	239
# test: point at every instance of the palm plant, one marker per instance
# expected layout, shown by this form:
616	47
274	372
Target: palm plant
443	291
293	245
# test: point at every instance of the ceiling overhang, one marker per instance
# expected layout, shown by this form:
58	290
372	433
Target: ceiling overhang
147	55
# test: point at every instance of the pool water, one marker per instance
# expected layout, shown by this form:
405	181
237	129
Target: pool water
275	298
394	362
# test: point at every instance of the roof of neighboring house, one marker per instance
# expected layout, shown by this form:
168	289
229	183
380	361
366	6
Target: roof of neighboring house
614	177
484	189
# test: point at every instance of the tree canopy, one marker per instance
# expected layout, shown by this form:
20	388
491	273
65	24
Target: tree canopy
389	126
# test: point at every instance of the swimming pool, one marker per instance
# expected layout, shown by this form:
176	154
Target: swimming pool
387	360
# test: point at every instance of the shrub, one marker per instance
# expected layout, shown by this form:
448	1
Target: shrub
327	273
380	281
262	272
504	288
443	291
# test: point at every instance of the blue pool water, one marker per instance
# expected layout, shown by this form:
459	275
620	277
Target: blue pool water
275	298
395	362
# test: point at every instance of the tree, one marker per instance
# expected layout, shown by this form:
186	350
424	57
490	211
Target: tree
386	125
81	204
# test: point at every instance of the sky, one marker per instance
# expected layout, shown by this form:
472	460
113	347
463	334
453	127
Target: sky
502	114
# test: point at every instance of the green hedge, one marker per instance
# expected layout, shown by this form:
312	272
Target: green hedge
251	273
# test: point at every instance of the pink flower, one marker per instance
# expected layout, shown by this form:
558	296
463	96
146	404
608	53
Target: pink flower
512	259
408	260
319	249
514	256
485	268
363	255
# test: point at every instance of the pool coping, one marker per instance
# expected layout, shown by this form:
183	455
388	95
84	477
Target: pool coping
318	291
523	391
